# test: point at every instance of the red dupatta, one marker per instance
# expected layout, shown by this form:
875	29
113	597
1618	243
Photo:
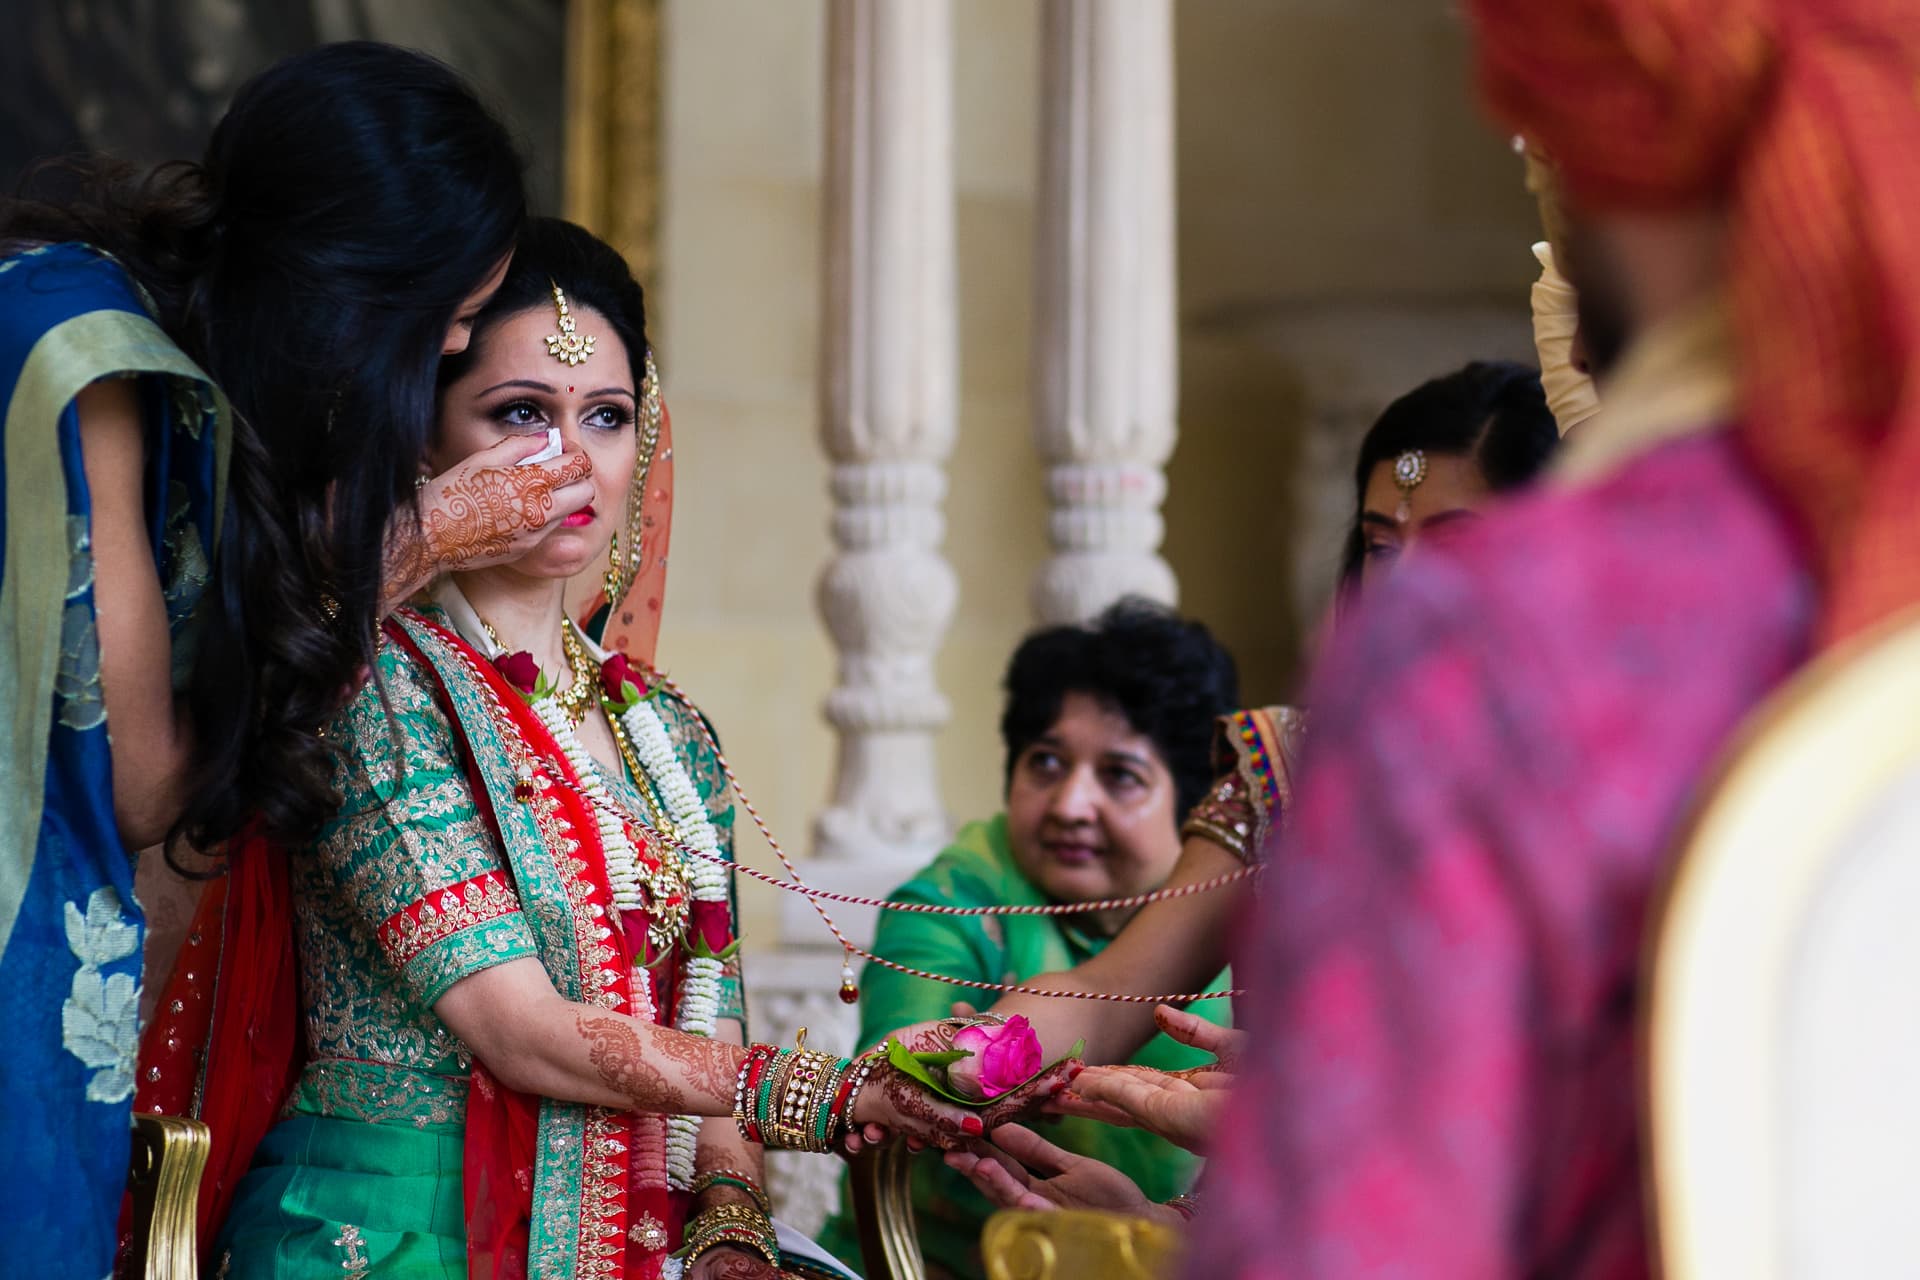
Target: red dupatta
225	1047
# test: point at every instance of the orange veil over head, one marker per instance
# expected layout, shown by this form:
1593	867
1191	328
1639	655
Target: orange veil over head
1801	119
624	614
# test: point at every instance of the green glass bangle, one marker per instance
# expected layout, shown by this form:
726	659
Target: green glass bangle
711	1181
765	1098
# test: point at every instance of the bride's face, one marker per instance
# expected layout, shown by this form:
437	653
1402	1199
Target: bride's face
515	388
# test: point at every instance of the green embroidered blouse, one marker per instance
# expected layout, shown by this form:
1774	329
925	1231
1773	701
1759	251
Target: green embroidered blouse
406	891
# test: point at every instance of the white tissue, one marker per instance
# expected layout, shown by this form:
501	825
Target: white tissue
551	451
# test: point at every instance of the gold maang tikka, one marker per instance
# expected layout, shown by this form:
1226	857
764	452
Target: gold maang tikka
1409	471
569	346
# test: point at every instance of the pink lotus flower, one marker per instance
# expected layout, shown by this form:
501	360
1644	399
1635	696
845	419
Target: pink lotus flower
521	671
1002	1057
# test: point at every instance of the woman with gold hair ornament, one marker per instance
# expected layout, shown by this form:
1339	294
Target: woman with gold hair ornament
523	1048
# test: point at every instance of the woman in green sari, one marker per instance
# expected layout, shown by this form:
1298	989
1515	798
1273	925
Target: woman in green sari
1108	731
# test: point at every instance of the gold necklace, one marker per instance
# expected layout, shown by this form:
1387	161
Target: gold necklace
582	690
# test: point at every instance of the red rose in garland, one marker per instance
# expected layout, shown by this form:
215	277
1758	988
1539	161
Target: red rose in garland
617	683
521	671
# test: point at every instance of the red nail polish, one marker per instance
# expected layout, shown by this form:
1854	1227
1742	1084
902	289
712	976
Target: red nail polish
972	1127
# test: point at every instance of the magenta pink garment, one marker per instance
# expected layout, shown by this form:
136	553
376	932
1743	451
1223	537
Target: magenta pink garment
1445	956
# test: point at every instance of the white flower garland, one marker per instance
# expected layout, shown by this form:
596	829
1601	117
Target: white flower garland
623	861
701	976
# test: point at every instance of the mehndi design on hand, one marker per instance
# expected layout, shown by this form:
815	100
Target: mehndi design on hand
474	515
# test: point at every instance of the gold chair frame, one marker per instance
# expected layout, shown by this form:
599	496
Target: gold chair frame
169	1155
882	1191
1075	1243
1808	772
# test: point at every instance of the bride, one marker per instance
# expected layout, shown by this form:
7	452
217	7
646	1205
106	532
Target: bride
521	1048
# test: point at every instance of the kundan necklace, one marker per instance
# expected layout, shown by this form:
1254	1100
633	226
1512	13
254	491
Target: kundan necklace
585	684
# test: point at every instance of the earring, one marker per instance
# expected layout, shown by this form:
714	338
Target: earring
612	580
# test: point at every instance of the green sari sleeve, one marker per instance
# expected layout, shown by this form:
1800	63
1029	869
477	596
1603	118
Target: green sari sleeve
971	947
409	849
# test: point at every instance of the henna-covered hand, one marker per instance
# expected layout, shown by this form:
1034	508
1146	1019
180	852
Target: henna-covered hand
923	1037
902	1105
1032	1097
907	1094
1022	1170
486	510
1224	1043
620	1057
725	1262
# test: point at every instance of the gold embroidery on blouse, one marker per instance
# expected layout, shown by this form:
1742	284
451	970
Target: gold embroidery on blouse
378	1094
441	915
355	1263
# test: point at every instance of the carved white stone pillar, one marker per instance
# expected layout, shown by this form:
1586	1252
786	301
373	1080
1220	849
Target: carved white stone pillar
888	373
1104	326
887	378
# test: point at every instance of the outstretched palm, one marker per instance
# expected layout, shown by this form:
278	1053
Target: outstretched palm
1181	1106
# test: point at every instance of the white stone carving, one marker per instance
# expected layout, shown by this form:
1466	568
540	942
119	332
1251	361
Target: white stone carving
1105	381
888	377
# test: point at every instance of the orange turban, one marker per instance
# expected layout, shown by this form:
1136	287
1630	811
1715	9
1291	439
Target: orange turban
1801	118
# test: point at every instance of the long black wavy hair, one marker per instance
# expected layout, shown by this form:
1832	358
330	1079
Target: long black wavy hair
349	201
1493	412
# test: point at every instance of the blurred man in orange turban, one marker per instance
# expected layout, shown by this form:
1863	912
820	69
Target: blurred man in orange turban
1446	955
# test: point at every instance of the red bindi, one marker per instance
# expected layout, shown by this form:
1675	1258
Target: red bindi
569	390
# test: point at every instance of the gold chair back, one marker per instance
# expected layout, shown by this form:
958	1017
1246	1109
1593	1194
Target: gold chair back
169	1155
1783	1033
1070	1244
882	1183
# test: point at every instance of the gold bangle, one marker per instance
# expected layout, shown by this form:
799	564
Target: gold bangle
732	1224
1233	839
739	1179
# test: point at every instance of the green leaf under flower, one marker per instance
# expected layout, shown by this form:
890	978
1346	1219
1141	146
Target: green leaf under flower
697	945
630	697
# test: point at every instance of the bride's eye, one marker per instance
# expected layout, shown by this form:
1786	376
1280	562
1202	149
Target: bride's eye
520	413
610	417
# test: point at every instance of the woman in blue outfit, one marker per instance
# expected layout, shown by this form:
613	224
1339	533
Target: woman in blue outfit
217	382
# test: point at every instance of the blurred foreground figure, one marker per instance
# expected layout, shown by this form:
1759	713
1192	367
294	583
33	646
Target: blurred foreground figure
1441	1080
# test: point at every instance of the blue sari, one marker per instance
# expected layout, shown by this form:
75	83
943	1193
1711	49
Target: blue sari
70	930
